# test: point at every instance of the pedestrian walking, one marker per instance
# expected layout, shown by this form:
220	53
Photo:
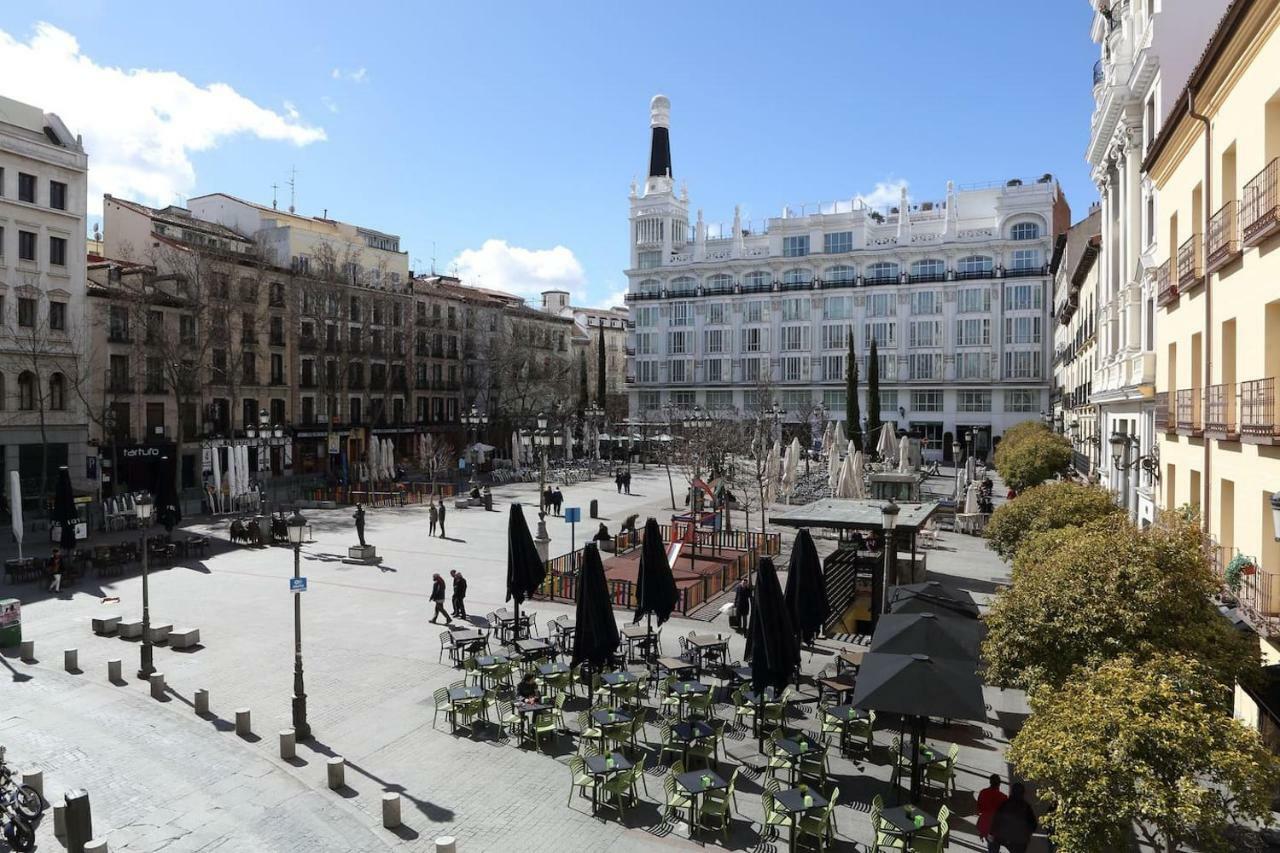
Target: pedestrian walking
1014	822
442	536
546	499
626	482
55	570
742	605
617	481
437	598
557	498
433	514
459	594
990	799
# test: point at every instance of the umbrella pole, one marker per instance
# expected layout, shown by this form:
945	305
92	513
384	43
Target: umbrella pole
515	628
917	731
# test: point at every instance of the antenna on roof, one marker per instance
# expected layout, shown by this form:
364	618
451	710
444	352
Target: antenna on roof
274	187
433	257
293	187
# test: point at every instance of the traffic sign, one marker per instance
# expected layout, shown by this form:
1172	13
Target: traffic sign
572	514
297	584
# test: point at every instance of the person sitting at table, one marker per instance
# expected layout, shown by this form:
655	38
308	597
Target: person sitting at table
527	689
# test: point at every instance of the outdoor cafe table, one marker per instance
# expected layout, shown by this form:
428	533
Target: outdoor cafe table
553	668
607	718
851	658
507	623
533	648
752	697
600	766
796	802
902	818
526	710
639	636
844	715
459	695
675	666
697	783
797	748
683	690
613	680
689	731
488	663
741	674
469	638
705	644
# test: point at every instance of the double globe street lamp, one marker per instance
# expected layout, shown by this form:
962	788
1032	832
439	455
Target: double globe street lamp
297	526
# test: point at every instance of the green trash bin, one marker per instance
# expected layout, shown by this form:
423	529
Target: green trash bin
10	622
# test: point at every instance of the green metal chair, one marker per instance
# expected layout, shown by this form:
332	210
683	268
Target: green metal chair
945	774
706	750
818	827
440	696
582	781
676	801
716	805
774	818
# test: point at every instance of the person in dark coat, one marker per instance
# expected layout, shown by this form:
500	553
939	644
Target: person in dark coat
742	604
617	481
546	499
1014	822
433	515
459	594
437	598
442	536
626	482
557	499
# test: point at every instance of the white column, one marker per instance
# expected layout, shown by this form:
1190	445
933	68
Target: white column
1122	251
1104	297
1133	229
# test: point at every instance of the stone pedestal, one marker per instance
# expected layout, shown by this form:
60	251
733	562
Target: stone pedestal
446	844
27	651
390	810
542	541
114	667
362	555
336	771
71	660
202	701
244	725
288	744
60	820
157	685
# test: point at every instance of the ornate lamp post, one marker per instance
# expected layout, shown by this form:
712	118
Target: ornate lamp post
144	508
889	520
542	438
595	418
297	526
775	414
474	421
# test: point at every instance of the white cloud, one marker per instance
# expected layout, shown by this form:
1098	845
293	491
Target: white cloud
355	75
140	126
329	103
886	194
524	272
613	298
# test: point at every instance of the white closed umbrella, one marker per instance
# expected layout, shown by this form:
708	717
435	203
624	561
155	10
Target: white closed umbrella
904	455
833	472
885	446
233	465
859	482
771	474
828	438
848	486
244	469
971	500
515	449
371	457
791	472
841	440
217	479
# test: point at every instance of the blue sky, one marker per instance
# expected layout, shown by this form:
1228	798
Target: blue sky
503	136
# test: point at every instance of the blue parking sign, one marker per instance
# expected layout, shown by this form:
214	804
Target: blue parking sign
297	584
572	514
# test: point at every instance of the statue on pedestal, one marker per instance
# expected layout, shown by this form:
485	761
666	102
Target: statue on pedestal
359	517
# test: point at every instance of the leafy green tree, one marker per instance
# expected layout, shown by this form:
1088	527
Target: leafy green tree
1085	595
1145	744
1047	507
873	394
853	416
1032	458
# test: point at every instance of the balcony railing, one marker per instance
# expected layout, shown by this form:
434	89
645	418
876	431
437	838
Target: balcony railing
1187	407
1166	287
1258	410
1260	205
1220	417
1223	243
1190	270
1164	417
1026	272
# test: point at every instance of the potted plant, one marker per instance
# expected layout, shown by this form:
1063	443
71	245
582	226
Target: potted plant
1240	565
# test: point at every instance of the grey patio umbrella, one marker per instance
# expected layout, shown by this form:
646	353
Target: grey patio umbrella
656	593
525	569
595	641
932	596
806	594
64	511
935	634
168	511
919	687
772	645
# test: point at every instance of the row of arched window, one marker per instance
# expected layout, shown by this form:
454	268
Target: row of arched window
29	392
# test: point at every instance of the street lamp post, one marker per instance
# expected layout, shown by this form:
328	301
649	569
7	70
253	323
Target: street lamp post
889	517
144	508
697	423
775	413
595	419
297	526
541	439
474	421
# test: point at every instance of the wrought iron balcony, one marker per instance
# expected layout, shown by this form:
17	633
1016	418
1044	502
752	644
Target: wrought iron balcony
1258	419
1222	246
1220	417
1166	287
1187	407
1190	269
1260	205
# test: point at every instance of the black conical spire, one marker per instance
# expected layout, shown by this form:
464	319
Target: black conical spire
660	149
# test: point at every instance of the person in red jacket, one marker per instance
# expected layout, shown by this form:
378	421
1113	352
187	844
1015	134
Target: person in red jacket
989	800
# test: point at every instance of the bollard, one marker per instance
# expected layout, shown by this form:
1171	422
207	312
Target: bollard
595	508
157	685
79	818
202	702
243	725
390	810
35	779
337	772
60	820
71	660
113	671
97	845
288	744
446	844
27	650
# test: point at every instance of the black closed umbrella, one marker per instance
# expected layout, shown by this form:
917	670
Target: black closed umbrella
932	597
934	634
656	593
525	569
595	640
168	511
919	686
772	645
64	510
806	594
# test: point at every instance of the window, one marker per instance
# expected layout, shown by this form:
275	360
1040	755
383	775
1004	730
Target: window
1022	330
928	270
885	334
753	369
220	366
716	371
683	286
646	343
795	338
646	315
118	324
973	365
797	277
795	247
277	369
650	401
973	266
719	401
1	226
26	390
795	309
882	272
833	367
1024	364
57	392
1026	259
886	365
835	400
186	329
973	300
681	371
924	365
835	336
26	245
842	274
973	401
1025	231
754	312
888	400
1016	400
716	313
682	314
837	308
648	260
58	316
647	371
276	332
26	312
926	401
1023	297
755	340
925	333
717	341
57	195
684	400
926	302
26	187
680	343
757	280
837	242
792	369
932	432
973	333
881	305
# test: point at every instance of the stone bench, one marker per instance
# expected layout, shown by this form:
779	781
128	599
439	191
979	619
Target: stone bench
130	629
184	638
105	626
160	633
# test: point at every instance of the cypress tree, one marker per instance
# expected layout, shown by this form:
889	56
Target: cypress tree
600	370
582	380
873	394
853	414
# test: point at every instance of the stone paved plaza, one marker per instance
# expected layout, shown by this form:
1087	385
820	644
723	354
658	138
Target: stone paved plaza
163	778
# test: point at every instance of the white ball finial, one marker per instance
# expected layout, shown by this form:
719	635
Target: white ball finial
660	111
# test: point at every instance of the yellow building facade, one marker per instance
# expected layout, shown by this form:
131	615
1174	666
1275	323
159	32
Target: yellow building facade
1216	242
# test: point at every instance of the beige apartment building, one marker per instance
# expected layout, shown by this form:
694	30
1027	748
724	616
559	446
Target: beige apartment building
595	327
1075	268
1215	166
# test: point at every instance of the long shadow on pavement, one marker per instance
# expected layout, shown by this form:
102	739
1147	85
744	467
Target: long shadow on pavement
431	811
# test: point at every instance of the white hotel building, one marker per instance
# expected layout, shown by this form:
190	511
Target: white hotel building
956	294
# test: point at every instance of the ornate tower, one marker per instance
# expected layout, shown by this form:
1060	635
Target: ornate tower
659	218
